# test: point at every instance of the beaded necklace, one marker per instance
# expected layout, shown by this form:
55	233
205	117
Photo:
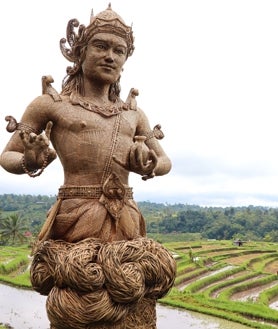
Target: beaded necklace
105	111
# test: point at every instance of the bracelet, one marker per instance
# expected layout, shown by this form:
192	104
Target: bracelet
36	172
13	125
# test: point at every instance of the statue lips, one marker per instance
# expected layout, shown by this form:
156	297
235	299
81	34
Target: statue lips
109	71
108	68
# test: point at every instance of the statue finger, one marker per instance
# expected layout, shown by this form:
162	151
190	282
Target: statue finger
132	158
138	155
149	176
24	137
120	162
32	138
153	157
48	128
21	134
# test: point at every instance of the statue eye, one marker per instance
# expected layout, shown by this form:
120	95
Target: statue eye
120	51
100	46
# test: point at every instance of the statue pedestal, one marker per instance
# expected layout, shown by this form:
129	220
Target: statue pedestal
143	317
96	285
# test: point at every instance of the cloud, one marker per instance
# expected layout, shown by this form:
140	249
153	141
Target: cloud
46	184
203	165
207	74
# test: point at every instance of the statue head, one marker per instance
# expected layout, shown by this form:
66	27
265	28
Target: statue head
107	21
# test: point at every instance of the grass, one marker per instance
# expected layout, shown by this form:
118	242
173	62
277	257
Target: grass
14	266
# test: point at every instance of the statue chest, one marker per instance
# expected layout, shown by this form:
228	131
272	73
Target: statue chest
86	125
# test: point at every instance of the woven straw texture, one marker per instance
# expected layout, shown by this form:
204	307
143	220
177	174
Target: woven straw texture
98	285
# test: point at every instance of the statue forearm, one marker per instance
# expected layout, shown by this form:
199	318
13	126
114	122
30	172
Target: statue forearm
11	161
35	156
15	163
164	165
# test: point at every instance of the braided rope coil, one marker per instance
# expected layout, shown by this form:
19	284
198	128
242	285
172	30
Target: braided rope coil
92	282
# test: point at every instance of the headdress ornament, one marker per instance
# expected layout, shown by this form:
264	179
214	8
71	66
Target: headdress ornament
107	21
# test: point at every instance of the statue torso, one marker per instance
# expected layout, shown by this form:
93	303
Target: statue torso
85	142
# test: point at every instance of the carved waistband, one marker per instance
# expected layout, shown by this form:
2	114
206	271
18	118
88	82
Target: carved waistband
87	192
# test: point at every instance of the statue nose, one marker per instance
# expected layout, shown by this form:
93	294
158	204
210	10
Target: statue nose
109	56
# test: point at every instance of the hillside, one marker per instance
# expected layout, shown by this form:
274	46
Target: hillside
247	223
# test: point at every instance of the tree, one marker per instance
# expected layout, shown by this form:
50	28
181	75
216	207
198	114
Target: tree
12	229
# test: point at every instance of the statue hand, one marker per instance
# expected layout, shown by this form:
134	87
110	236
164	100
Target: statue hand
36	148
142	160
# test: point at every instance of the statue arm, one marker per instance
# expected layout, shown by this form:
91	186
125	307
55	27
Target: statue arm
28	149
163	165
146	156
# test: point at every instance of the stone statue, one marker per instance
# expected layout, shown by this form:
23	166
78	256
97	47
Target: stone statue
92	257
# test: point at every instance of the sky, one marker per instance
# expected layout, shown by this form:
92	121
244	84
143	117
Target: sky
206	70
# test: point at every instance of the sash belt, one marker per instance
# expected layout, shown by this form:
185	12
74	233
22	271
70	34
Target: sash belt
87	192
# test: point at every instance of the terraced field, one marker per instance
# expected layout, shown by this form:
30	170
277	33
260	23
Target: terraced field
221	279
239	284
14	265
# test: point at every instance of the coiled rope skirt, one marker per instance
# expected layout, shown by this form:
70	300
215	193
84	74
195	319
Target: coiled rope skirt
96	285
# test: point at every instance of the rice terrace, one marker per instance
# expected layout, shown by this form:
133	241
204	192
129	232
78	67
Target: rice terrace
219	278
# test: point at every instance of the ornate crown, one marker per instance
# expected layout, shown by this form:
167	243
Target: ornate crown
107	21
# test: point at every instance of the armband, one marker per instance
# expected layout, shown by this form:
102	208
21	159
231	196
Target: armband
156	132
13	125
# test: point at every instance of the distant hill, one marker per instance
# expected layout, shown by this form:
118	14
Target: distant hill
247	223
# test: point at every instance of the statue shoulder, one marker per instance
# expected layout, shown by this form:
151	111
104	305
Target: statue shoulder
141	114
49	95
41	102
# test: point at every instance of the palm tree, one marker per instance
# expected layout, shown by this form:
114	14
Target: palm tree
13	228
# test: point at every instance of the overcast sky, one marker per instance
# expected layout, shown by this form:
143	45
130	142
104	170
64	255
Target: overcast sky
207	71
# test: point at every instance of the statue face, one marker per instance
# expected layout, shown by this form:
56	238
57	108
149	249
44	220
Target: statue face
105	56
